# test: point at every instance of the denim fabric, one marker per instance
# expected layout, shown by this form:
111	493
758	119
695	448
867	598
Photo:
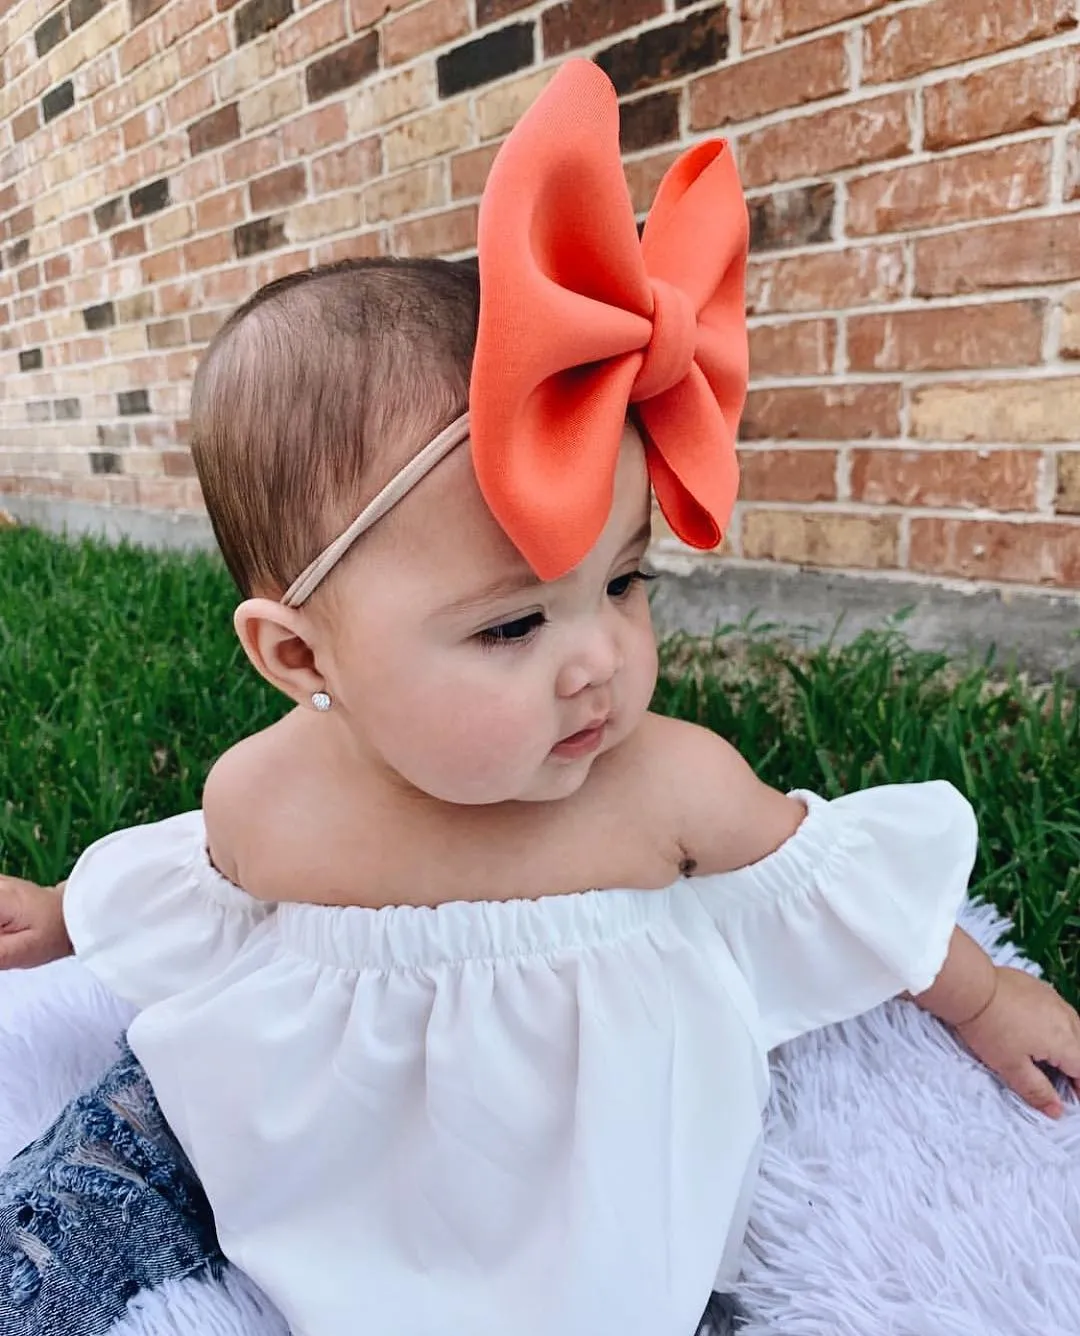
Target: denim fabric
104	1205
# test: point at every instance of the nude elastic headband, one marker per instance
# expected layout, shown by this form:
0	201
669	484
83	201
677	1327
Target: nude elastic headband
579	319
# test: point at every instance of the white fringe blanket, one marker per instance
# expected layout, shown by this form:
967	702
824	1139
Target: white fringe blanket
903	1192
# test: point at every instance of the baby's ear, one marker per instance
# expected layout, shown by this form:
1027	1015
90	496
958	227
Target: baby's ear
277	640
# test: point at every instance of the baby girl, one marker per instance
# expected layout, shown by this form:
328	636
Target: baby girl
459	990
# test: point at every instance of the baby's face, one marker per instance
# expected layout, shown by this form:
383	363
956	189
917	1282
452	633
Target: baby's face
467	677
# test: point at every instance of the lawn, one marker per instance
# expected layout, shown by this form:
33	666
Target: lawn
120	682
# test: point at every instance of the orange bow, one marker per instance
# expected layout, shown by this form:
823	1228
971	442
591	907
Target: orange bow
578	320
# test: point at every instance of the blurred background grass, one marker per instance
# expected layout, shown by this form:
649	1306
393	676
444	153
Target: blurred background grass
121	681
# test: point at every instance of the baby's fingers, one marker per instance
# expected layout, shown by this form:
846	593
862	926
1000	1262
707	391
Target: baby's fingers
1034	1088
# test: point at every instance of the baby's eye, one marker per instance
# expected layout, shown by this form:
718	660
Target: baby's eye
513	632
622	584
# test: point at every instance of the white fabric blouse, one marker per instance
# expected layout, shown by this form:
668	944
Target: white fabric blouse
539	1117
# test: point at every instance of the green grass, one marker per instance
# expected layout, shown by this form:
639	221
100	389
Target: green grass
121	681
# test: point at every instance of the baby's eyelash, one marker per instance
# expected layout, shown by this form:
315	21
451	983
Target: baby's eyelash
515	632
623	584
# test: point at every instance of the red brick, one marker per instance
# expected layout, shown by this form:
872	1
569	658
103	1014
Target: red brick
822	413
795	348
828	280
799	16
182	296
576	23
422	28
279	189
220	127
439	234
26	122
317	129
956	189
225	209
315	31
364	13
787	475
1000	255
826	141
57	267
364	246
786	78
1033	553
948	338
469	171
867	542
227	286
192	99
1005	479
142	127
131	241
944	32
253	157
346	167
205	252
163	265
204	49
1024	94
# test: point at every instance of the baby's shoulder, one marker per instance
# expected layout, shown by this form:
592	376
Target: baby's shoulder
724	815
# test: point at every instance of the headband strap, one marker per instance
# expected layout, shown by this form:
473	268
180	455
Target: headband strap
402	483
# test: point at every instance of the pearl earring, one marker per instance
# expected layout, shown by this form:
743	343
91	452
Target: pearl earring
321	701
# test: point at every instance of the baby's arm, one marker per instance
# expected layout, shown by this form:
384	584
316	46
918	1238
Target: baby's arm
32	930
1010	1020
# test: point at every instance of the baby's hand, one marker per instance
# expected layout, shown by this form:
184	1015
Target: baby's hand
1027	1023
32	928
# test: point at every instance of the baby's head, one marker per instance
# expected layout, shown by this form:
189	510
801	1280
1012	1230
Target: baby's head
315	392
449	665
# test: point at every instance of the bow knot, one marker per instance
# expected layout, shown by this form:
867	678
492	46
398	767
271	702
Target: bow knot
669	354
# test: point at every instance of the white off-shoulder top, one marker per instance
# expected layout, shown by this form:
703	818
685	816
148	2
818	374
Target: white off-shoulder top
537	1117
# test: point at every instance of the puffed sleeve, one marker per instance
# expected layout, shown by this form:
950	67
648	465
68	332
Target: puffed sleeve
150	916
857	907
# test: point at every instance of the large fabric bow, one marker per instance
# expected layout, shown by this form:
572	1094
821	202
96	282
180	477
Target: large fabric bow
579	320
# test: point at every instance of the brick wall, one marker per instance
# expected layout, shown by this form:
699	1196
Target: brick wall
914	177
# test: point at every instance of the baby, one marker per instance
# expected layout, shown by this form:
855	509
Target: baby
459	990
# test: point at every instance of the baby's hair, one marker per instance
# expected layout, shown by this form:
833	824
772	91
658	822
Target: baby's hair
314	392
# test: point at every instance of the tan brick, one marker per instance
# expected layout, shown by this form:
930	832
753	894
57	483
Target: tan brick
103	31
428	136
794	348
1072	168
787	475
170	227
156	78
858	276
323	217
1026	553
413	191
279	189
190	101
500	108
1070	325
826	141
243	69
867	542
944	32
228	286
253	157
317	30
1067	495
822	412
377	105
364	246
786	78
998	255
422	28
469	171
956	189
1042	90
349	166
273	102
948	338
438	234
203	49
1038	410
1005	479
142	127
